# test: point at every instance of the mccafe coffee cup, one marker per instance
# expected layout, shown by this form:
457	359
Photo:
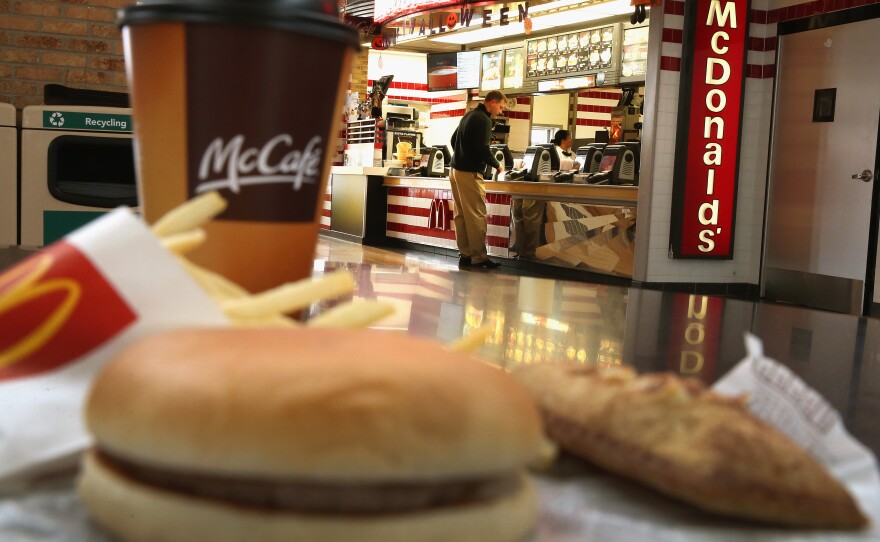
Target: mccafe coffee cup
243	97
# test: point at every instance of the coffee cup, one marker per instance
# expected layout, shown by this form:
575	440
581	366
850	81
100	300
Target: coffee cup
242	97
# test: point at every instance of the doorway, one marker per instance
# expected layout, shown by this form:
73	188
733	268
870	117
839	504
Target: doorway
550	113
821	232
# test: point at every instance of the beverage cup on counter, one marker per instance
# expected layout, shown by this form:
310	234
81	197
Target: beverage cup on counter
243	97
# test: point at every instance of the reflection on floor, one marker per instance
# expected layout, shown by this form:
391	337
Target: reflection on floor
540	319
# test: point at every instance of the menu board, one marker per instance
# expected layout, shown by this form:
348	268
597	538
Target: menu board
491	79
567	83
468	69
564	54
635	53
514	67
453	71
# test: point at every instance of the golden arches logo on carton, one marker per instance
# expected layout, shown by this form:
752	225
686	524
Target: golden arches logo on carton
29	288
55	307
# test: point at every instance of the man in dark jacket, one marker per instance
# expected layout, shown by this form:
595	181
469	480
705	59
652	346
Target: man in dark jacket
471	155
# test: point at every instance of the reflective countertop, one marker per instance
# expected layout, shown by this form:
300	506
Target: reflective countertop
539	319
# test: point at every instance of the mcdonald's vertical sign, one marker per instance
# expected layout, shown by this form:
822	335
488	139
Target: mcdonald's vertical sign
713	64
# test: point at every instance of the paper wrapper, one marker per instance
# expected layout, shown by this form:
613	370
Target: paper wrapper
63	313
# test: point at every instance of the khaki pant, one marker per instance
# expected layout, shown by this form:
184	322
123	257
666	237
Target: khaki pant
528	219
469	194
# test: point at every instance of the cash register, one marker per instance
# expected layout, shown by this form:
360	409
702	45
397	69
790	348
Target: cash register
502	153
588	157
629	170
619	165
538	160
436	160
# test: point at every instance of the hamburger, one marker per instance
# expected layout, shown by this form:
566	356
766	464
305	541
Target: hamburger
302	434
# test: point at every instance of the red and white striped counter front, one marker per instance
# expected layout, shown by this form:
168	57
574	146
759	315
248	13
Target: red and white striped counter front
420	211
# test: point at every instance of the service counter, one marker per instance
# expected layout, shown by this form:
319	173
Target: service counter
588	227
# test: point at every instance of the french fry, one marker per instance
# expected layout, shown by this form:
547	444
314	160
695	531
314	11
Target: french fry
179	232
181	243
190	215
290	297
216	286
473	340
355	314
272	320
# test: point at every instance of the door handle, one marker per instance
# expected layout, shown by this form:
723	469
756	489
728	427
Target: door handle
864	176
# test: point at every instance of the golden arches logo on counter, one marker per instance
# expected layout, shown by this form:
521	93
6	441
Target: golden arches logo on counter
55	307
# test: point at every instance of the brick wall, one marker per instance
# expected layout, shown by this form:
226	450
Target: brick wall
359	68
70	42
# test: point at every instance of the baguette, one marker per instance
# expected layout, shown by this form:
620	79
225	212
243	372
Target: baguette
678	438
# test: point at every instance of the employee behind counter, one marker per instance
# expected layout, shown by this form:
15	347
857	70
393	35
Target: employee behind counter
562	144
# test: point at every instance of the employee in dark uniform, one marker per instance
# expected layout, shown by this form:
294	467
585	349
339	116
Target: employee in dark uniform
471	155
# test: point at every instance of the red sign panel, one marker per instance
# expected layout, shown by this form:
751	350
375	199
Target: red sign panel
383	10
708	139
54	307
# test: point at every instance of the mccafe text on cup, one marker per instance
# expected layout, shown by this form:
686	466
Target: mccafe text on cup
242	97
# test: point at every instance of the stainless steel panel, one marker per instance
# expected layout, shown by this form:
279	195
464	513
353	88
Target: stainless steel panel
818	216
348	205
819	291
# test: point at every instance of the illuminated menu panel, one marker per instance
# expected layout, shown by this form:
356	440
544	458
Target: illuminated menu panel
468	69
514	68
571	53
635	53
503	69
453	71
568	83
492	67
